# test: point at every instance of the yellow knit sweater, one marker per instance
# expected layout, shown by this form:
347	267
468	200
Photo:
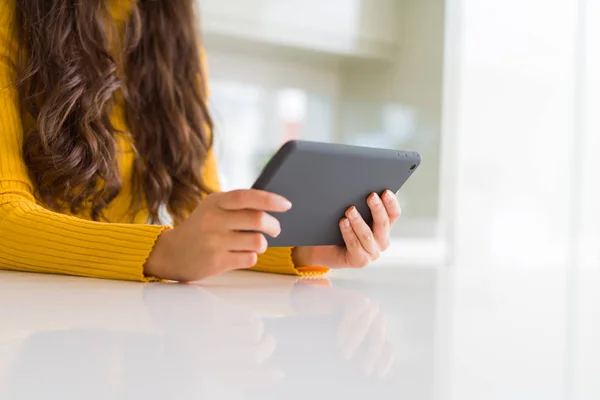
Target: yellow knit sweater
35	239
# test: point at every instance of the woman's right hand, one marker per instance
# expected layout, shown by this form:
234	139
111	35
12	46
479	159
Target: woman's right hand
226	232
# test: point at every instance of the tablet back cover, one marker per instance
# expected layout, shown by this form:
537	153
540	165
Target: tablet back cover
322	180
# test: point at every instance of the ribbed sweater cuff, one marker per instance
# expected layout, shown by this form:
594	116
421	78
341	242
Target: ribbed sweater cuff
37	240
278	260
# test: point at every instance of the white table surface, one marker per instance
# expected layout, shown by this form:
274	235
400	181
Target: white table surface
381	333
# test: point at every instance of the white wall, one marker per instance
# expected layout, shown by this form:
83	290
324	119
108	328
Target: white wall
522	137
352	27
514	133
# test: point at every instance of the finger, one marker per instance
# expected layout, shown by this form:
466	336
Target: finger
392	206
242	354
377	339
357	255
252	220
254	332
363	232
350	315
243	333
359	331
386	361
254	200
381	221
246	241
265	349
239	260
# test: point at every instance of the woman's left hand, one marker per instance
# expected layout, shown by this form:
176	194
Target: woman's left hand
363	243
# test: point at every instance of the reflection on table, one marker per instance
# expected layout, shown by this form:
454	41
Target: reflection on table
244	335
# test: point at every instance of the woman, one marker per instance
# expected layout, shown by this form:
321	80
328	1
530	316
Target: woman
103	122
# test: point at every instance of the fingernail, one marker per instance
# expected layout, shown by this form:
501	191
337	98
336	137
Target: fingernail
375	199
354	213
389	195
345	223
285	203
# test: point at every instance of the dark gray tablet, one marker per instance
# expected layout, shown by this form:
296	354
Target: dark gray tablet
322	180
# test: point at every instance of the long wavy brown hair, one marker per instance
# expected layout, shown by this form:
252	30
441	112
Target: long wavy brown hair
73	61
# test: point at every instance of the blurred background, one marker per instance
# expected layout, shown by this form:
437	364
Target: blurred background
499	97
502	99
363	72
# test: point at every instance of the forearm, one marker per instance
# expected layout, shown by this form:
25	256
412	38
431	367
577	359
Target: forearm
34	239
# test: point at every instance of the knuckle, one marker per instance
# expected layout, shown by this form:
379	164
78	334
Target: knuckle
379	207
269	200
272	224
238	196
250	260
266	223
367	236
258	220
363	261
266	199
276	228
259	243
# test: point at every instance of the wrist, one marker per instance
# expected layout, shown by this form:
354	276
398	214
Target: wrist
157	263
303	256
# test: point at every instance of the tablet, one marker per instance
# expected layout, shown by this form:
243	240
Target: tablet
323	180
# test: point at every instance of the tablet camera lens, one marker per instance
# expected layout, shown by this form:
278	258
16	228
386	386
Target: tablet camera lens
413	167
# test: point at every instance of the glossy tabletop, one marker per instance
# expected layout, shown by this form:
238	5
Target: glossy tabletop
380	333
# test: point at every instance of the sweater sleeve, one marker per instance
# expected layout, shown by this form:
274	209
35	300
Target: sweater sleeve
35	239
